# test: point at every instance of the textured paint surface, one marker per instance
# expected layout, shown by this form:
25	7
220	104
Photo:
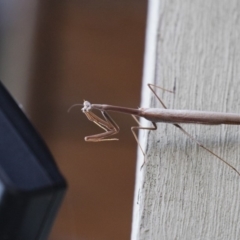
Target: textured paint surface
185	192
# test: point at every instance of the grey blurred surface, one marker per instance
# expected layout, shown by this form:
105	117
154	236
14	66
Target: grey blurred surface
57	53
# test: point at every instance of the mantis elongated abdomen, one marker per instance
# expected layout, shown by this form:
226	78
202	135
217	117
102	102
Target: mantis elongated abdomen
189	116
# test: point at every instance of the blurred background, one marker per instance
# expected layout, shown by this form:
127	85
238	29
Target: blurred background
56	53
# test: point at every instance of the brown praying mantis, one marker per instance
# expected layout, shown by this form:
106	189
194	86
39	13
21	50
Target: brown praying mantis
154	115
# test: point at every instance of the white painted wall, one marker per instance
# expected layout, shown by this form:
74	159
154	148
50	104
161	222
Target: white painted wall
184	192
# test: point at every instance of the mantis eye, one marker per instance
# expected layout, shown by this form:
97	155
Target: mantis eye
86	106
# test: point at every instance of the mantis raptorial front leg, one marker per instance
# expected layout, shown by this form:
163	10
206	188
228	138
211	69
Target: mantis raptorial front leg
108	125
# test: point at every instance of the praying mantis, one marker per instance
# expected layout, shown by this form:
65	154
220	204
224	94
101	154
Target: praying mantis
154	115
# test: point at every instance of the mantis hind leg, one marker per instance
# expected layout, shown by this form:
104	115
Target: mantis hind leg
202	146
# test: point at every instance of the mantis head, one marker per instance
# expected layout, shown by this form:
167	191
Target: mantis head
86	106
